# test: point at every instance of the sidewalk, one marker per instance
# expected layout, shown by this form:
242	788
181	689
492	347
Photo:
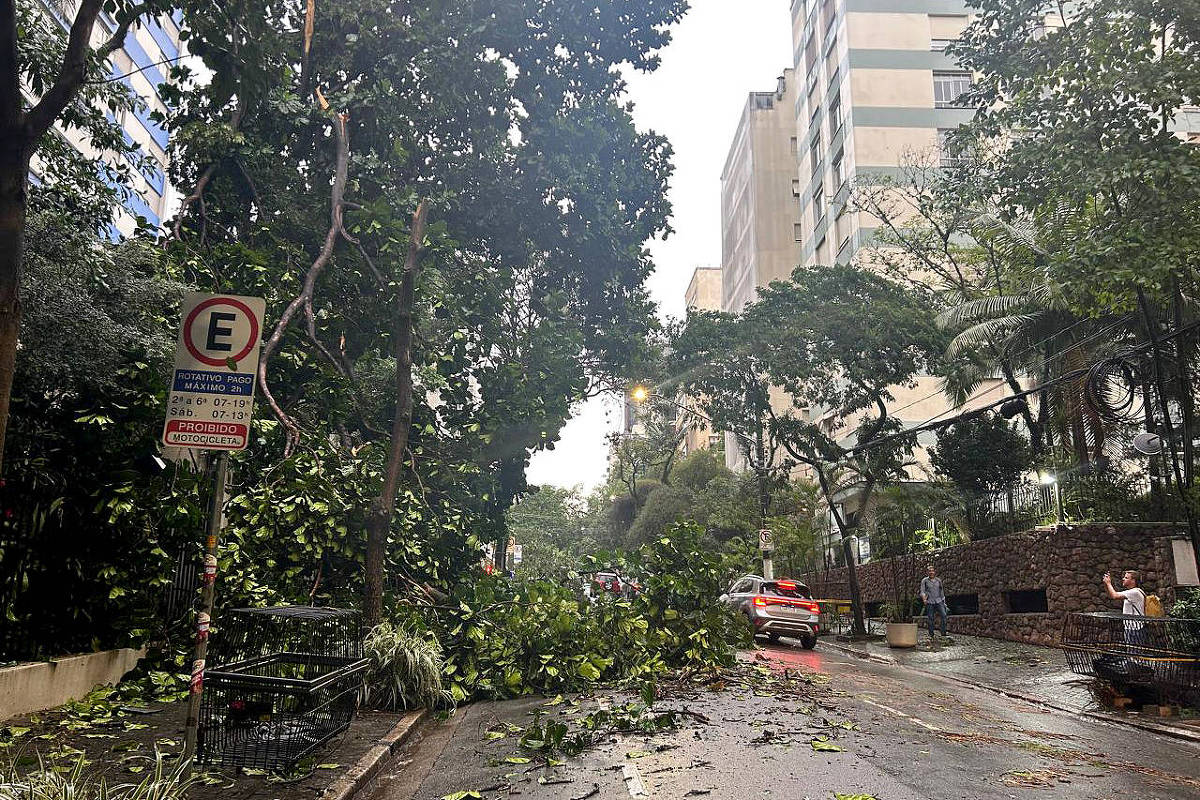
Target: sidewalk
1030	672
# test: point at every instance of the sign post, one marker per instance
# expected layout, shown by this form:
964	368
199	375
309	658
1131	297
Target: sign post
209	407
766	543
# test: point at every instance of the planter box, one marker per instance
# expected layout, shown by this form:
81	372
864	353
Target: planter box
40	685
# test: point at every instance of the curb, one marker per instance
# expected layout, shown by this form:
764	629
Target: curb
369	765
1152	727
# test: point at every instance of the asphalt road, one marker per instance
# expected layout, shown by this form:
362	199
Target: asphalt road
904	737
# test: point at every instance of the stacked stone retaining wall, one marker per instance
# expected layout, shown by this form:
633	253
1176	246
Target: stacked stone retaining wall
1067	564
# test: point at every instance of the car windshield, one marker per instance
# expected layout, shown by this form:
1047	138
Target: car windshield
787	589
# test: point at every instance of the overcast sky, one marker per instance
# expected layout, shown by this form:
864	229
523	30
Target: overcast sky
721	51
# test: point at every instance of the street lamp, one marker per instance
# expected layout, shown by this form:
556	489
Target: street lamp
640	394
1051	479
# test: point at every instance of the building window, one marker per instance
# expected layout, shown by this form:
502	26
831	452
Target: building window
810	55
940	44
814	154
950	155
949	86
795	187
835	114
828	9
795	142
818	201
798	232
839	170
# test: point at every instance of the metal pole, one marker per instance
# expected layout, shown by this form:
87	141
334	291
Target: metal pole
203	619
1058	502
768	566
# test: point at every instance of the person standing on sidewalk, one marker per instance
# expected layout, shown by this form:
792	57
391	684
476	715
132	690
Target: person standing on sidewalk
934	597
1133	605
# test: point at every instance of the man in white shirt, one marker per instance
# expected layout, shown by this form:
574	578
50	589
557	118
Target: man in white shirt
1133	604
1134	598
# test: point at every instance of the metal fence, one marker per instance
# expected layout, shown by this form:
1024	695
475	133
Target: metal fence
1157	654
1099	496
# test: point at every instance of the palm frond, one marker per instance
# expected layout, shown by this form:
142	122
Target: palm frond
982	308
990	332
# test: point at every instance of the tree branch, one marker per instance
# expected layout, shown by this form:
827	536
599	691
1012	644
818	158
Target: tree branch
11	103
337	195
75	61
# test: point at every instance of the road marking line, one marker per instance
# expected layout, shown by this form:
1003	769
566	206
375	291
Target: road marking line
633	782
898	713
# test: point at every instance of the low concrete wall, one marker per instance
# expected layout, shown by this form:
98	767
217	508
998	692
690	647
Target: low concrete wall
1066	564
47	684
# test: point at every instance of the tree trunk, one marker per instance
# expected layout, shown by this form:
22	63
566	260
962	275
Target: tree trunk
856	607
14	177
760	469
380	521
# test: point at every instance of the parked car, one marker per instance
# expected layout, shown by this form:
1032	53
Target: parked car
776	608
606	583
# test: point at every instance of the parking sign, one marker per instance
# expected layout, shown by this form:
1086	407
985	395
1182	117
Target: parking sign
211	401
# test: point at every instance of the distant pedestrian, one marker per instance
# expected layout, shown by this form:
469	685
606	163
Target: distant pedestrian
933	595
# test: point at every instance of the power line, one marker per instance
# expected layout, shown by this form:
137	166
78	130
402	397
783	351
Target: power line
1044	362
1028	349
930	424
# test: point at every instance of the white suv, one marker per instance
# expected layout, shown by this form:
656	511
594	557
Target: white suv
776	608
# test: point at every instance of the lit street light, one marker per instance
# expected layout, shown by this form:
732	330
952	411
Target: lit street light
1051	479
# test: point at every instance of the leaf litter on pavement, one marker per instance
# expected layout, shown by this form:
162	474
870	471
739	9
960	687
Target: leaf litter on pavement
562	728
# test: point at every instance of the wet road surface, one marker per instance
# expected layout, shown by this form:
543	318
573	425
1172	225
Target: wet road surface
905	736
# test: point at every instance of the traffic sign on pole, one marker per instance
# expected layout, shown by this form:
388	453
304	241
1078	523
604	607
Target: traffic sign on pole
211	400
766	540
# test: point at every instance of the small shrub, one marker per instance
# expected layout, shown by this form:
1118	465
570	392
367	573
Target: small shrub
406	669
169	780
1187	605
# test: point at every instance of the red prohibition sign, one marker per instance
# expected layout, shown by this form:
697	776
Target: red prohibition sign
219	301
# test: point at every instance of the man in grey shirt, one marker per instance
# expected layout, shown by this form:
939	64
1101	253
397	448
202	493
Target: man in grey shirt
934	597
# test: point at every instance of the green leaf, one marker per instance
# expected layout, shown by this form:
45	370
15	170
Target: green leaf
821	744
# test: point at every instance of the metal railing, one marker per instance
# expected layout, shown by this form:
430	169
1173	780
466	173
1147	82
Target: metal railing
1159	654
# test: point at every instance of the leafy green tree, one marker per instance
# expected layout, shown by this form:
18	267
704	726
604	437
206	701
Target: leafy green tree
725	378
305	157
61	74
1097	91
554	528
90	525
838	339
982	455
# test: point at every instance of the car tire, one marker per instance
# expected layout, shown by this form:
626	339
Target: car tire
808	642
774	637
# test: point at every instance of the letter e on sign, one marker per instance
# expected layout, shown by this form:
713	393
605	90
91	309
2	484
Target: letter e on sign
211	401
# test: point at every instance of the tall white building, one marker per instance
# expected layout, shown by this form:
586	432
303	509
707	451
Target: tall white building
874	84
760	241
151	47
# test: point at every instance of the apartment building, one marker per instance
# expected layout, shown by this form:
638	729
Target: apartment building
704	293
873	85
760	242
141	65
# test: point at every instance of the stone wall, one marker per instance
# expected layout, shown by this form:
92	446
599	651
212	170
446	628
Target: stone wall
1067	565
